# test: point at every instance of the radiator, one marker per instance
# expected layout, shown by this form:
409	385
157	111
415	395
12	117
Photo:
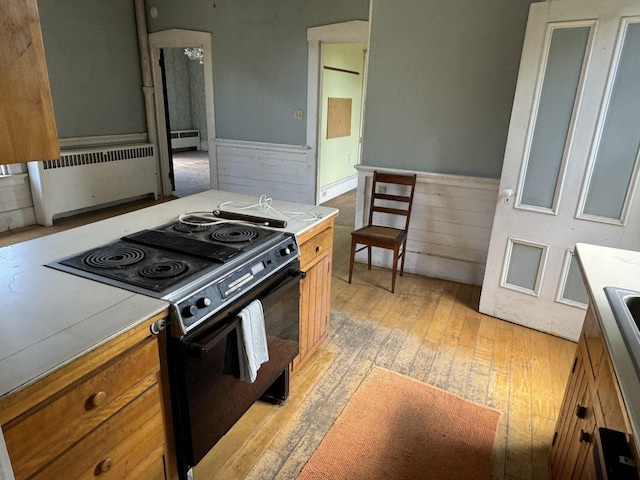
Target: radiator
87	178
185	139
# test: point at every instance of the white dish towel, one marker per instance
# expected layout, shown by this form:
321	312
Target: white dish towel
252	342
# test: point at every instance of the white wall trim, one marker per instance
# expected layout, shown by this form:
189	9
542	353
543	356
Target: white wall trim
336	189
355	31
450	224
102	140
259	145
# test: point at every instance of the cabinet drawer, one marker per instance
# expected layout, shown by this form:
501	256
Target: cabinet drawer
125	446
315	248
49	428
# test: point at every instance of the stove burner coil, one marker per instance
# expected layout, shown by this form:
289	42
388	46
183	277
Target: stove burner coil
189	227
115	257
235	234
161	270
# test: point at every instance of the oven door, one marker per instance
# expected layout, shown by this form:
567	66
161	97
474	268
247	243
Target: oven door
208	397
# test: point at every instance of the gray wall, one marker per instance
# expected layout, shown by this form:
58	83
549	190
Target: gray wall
441	80
442	75
259	58
92	56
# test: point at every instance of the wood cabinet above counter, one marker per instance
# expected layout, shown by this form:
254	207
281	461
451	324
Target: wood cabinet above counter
28	130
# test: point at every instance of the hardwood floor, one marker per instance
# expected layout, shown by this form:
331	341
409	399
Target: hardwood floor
429	329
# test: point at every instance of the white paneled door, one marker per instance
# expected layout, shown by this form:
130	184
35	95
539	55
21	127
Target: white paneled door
571	161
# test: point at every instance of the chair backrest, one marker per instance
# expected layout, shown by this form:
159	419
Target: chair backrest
397	201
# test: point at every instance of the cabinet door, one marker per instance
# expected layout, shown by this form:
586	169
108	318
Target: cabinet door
315	292
576	424
28	129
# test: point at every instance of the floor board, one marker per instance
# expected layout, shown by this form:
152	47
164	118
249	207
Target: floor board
429	329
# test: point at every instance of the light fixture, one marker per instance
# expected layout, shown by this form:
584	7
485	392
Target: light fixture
195	53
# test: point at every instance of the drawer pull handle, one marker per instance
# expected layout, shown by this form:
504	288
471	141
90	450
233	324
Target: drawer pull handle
105	465
585	436
98	399
581	411
318	248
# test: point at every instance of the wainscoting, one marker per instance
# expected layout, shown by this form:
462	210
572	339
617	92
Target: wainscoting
283	172
450	225
16	204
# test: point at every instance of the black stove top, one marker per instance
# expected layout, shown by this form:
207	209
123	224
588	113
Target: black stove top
161	260
198	268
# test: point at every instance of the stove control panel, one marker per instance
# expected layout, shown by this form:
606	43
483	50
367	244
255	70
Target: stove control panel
197	307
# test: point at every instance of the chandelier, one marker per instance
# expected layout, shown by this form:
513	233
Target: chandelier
195	53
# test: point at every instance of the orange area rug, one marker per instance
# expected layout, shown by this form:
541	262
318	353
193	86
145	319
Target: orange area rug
397	428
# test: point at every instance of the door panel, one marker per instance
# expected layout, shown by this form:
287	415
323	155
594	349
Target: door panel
620	137
524	267
560	87
572	290
571	158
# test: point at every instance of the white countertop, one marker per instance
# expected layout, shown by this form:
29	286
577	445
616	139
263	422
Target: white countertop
610	267
49	318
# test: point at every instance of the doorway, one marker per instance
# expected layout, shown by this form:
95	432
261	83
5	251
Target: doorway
183	77
175	41
341	115
354	32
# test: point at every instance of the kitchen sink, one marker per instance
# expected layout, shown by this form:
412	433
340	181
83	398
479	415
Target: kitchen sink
626	310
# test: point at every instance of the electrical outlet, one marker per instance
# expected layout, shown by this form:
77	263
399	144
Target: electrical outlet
298	114
350	159
382	189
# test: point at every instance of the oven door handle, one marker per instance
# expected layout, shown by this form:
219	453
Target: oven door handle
291	273
198	350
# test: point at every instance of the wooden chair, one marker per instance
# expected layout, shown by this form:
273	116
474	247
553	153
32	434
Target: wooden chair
396	207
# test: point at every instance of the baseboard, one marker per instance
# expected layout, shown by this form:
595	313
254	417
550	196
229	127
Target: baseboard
336	189
421	263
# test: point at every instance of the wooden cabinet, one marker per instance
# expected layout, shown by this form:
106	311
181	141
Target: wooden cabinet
592	400
100	416
28	124
316	249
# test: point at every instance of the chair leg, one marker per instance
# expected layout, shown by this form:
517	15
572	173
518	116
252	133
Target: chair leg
394	270
404	251
352	259
369	257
